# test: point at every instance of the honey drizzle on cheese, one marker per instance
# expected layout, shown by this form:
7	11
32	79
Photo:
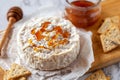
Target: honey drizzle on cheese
51	42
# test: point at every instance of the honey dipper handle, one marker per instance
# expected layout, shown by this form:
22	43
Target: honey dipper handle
12	20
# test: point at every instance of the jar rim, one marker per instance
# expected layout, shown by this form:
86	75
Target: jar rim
67	1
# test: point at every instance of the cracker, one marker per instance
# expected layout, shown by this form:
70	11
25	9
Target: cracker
98	75
107	44
105	26
114	33
17	71
6	77
108	22
110	36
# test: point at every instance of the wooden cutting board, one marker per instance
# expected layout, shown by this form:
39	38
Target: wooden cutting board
109	8
1	73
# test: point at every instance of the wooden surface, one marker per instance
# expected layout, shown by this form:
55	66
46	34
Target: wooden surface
109	8
1	73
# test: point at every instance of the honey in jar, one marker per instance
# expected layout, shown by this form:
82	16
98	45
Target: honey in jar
83	13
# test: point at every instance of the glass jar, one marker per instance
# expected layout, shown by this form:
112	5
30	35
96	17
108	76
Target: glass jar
83	13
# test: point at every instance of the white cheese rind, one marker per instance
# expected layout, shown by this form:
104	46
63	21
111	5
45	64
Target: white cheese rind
57	58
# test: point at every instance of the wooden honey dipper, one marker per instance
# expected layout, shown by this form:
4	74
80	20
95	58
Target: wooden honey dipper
14	14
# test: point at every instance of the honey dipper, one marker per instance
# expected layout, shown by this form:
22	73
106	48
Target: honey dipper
14	14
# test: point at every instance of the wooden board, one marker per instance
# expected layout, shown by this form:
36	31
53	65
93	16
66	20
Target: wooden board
109	8
1	73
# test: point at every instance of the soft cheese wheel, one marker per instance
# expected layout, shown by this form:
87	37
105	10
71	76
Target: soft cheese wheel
48	43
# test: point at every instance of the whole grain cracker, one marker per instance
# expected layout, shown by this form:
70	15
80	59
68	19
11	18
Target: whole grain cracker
110	37
107	43
105	26
17	71
6	77
108	22
114	33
